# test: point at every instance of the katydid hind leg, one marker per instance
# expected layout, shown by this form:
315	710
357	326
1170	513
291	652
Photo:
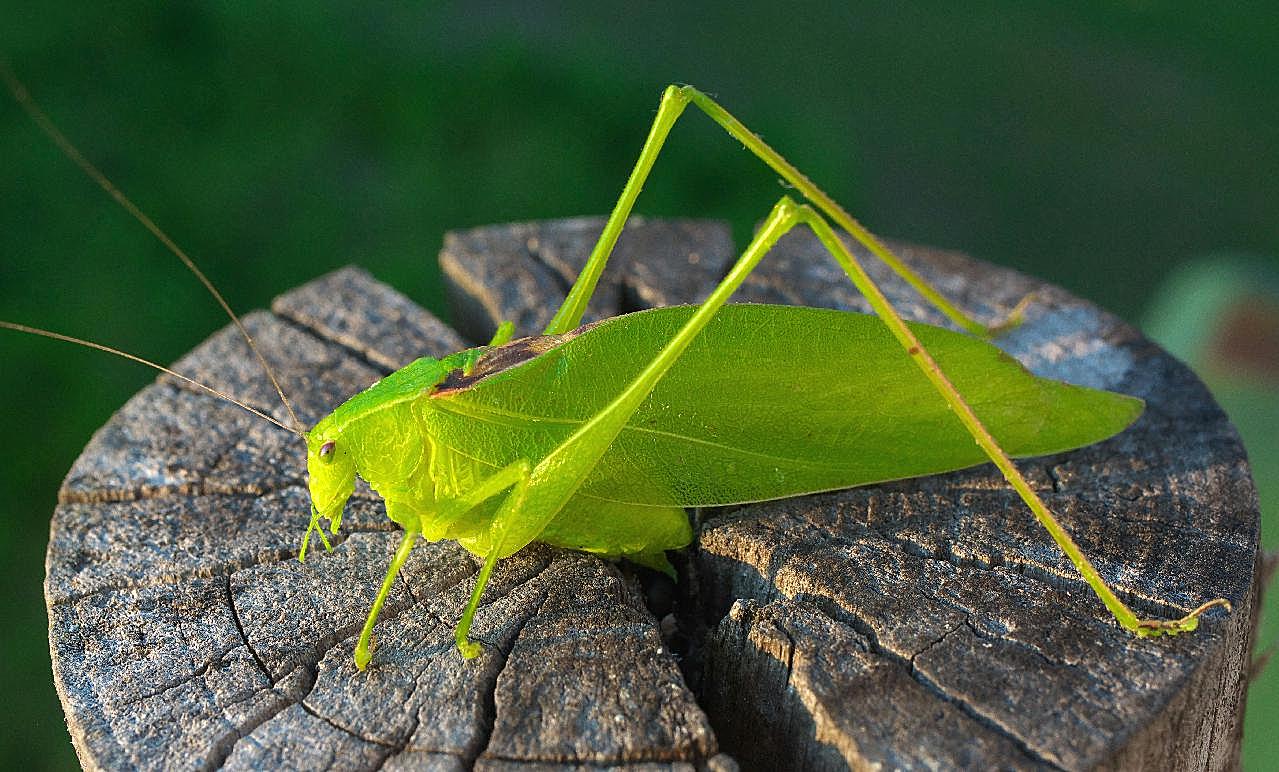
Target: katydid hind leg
559	475
924	360
786	214
674	100
673	103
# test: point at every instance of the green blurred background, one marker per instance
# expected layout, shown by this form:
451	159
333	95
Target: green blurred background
1098	146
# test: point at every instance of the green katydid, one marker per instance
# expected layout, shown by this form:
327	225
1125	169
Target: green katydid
597	437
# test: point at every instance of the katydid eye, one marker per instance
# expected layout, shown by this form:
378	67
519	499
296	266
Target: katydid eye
326	449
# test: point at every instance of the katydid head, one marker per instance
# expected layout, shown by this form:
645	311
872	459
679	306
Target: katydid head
331	468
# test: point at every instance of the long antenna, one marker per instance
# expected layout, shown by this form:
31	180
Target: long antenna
46	125
148	363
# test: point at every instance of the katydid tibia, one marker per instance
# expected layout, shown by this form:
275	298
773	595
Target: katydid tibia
597	437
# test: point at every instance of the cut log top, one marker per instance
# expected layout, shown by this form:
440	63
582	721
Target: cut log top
924	623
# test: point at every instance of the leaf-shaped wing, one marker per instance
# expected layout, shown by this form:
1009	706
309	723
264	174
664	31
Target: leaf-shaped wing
769	401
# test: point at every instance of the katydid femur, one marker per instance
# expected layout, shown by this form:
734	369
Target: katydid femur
570	437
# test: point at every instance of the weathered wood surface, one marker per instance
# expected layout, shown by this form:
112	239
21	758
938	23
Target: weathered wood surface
922	623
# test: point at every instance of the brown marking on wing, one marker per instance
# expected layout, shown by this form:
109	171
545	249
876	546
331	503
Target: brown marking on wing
504	357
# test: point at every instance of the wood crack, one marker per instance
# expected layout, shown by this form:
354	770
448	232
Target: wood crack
418	602
907	663
1063	579
217	571
363	356
239	626
488	721
563	275
182	681
225	745
344	729
194	489
401	747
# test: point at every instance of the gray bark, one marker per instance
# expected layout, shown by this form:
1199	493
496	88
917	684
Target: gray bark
926	623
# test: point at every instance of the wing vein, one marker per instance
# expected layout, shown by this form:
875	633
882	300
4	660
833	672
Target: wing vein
493	415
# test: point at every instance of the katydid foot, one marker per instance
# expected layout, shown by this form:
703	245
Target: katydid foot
1014	318
1153	628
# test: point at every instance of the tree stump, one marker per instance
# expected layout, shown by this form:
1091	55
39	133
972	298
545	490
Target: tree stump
924	623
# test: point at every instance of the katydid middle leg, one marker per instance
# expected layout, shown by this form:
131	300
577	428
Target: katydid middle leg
435	524
559	475
535	500
362	652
